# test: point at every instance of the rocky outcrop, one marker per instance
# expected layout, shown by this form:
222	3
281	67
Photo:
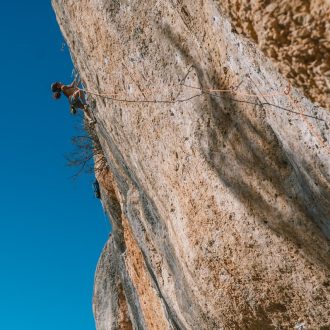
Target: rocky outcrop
295	34
215	174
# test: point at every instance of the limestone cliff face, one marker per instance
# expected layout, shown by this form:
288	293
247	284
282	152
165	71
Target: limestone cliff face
219	201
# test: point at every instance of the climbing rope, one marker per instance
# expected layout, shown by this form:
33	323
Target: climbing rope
211	92
296	105
113	98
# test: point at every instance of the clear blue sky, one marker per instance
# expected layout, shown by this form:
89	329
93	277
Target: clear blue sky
52	229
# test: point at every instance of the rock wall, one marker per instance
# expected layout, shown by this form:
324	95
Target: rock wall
219	200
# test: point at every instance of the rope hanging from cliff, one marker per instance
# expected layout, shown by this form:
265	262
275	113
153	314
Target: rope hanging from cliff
210	92
111	97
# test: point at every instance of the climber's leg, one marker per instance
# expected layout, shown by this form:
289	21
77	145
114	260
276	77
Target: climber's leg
81	95
88	115
79	101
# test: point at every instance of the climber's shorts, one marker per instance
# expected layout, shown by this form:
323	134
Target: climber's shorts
74	101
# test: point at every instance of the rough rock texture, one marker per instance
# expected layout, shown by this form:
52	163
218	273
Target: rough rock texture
295	33
110	306
220	202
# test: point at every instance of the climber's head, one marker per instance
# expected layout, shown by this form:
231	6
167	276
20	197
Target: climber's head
56	89
56	86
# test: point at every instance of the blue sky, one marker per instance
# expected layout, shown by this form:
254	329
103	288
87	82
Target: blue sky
52	229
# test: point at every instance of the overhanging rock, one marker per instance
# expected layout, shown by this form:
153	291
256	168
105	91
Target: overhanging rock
220	203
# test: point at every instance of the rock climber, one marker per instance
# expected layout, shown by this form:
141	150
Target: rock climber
75	96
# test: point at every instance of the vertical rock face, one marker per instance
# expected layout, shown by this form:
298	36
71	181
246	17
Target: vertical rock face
219	201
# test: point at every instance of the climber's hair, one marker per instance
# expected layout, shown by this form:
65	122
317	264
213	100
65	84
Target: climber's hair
56	95
56	87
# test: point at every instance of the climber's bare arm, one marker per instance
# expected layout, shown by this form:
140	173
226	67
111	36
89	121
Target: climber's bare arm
76	82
